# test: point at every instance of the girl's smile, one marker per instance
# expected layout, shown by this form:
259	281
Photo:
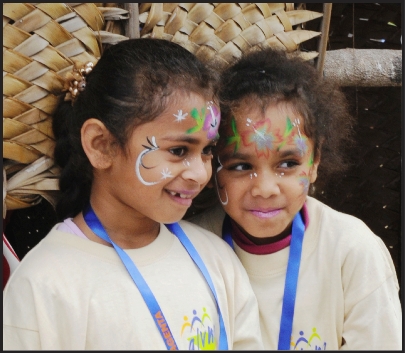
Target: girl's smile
265	213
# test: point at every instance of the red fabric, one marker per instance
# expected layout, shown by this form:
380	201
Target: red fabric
246	244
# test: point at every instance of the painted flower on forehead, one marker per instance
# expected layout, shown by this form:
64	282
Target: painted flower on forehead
287	132
262	137
235	138
311	160
199	118
212	120
180	115
301	143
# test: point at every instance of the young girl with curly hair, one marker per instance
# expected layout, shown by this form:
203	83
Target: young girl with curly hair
322	278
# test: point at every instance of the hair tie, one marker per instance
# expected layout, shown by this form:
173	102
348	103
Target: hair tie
75	81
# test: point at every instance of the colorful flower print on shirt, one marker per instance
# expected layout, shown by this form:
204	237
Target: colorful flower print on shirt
313	343
200	332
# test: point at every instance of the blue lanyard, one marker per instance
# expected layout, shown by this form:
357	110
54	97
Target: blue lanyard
94	223
291	280
226	231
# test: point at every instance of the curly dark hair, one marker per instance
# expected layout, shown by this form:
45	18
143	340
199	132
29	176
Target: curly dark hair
270	75
131	84
266	76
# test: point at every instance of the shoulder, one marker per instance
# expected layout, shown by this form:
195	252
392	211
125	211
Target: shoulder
56	253
350	239
326	219
208	244
201	235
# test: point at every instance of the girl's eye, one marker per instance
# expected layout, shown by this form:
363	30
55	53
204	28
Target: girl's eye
208	151
288	164
240	167
178	151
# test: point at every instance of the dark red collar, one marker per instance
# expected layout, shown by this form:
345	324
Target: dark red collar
277	244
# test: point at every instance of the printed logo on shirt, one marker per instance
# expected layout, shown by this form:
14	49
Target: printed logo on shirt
199	331
313	343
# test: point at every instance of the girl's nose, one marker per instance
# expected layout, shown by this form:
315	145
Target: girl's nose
265	184
197	170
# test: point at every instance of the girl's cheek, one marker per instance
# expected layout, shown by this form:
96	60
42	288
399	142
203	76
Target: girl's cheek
304	181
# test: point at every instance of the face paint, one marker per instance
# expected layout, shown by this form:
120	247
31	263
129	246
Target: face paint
180	116
304	181
311	160
139	161
166	173
153	147
212	120
235	138
277	183
220	187
261	136
199	118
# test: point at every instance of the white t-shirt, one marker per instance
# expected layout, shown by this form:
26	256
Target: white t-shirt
70	293
347	294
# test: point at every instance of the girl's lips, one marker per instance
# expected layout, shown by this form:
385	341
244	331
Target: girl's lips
265	214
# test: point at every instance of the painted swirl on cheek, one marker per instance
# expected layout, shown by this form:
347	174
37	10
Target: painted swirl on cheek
153	147
220	187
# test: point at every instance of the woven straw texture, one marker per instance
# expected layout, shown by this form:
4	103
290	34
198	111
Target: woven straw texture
218	33
41	43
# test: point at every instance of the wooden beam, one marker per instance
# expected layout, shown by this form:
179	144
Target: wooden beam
132	24
364	67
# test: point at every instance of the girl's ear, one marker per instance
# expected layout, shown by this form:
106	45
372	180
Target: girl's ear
96	141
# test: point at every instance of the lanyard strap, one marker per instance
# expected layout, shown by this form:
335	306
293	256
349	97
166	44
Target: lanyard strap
178	231
291	280
94	223
226	231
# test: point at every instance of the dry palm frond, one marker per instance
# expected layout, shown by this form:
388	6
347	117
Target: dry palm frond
41	43
221	32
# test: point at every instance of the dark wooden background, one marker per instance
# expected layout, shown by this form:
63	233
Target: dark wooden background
371	189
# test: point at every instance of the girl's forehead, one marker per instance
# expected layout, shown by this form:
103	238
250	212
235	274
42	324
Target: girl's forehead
278	115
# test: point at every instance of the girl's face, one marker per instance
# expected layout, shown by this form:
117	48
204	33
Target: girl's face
168	160
265	170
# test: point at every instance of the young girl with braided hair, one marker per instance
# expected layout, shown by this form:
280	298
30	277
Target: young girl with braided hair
119	272
323	280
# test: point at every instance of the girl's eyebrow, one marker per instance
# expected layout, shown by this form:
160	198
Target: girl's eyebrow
290	152
234	155
188	139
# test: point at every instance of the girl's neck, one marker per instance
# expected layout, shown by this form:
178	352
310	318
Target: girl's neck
129	231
